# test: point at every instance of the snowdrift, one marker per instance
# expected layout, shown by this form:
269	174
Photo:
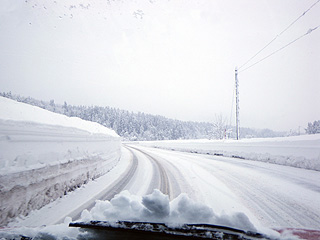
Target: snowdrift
43	155
297	151
157	208
152	208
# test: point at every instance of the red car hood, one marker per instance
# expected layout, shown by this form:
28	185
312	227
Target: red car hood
307	234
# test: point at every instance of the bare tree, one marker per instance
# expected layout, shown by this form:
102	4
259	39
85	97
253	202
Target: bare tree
219	127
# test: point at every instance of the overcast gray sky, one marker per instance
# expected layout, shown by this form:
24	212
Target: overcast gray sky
172	58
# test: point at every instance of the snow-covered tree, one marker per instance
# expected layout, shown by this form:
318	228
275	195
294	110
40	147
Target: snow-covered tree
219	127
313	128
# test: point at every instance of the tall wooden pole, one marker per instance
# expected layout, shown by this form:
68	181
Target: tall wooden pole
237	105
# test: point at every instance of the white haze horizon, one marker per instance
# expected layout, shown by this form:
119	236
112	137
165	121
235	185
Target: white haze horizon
170	58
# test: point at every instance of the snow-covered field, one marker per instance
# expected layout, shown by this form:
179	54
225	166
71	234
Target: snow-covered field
296	151
44	155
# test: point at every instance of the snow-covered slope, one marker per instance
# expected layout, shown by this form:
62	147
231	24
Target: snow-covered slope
296	151
43	155
17	111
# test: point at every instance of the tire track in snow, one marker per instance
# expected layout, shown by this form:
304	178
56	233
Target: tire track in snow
278	210
276	199
118	186
164	183
110	191
273	207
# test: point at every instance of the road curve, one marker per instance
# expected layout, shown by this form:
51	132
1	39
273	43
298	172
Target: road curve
275	195
159	180
164	184
109	192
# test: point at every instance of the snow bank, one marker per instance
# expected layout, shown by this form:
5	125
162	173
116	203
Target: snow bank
52	232
297	151
17	111
155	207
43	155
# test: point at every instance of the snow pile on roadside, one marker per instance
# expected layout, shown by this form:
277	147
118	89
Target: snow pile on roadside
52	232
31	137
17	111
155	207
44	155
296	151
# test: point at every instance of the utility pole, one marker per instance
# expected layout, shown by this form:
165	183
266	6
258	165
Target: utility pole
237	105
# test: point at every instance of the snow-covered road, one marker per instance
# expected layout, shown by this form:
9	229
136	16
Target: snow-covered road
270	195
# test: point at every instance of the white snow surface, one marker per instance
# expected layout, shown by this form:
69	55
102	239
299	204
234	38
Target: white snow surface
44	155
32	137
17	111
204	192
296	151
154	207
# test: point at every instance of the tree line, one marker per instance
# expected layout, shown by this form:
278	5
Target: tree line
145	127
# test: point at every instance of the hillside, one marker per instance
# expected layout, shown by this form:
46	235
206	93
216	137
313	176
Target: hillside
141	126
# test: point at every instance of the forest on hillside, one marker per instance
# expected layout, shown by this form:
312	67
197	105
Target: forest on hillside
145	127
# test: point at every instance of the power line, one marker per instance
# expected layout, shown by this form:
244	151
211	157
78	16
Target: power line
279	34
308	32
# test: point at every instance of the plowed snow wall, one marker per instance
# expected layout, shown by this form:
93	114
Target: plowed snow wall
296	151
40	163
